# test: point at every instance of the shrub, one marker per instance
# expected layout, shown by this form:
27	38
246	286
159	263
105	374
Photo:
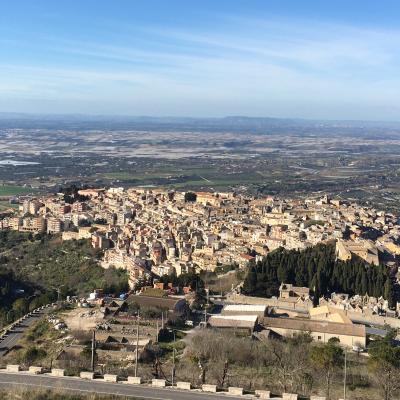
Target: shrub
32	354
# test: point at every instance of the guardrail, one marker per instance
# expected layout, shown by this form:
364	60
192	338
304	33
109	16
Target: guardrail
21	319
157	383
15	324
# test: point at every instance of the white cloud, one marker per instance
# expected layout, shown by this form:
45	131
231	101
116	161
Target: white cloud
258	67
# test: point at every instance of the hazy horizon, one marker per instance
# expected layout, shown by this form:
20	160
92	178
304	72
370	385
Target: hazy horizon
27	115
308	60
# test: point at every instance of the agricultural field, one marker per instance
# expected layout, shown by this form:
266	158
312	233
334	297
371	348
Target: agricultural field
266	157
9	190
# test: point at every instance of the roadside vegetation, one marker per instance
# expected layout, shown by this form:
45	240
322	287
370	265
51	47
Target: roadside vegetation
295	365
56	394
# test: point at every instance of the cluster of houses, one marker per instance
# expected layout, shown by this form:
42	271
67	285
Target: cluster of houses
153	232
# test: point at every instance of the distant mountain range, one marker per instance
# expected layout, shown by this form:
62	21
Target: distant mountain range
231	123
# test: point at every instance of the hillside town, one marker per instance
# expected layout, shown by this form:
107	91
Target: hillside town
157	236
154	232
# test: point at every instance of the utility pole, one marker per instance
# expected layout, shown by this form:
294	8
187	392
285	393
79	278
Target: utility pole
137	345
173	363
58	290
93	348
345	375
157	330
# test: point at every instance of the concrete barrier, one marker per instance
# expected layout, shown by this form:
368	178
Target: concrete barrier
158	382
236	391
317	398
183	385
35	370
110	378
289	396
87	375
57	372
209	388
13	368
134	380
263	394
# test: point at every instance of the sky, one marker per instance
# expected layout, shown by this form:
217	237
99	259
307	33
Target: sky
209	58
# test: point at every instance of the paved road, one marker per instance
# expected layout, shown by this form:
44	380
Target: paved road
12	338
72	384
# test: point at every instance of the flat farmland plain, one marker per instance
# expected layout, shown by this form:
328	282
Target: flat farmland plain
348	161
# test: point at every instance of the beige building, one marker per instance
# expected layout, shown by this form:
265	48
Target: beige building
54	225
207	198
35	224
330	314
70	235
287	290
361	248
348	334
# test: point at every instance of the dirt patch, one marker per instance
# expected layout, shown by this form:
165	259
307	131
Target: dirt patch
83	319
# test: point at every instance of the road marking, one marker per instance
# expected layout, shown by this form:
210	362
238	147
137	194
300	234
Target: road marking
60	381
84	390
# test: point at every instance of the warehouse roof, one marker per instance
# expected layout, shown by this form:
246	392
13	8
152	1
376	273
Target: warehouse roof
245	307
233	321
315	326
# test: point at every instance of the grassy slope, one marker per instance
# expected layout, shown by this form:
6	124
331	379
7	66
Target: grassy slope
50	263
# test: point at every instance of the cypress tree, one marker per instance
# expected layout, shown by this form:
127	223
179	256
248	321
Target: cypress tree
317	267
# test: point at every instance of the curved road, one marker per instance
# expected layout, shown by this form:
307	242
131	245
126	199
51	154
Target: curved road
11	339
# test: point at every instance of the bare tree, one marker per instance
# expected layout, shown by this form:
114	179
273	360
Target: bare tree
289	364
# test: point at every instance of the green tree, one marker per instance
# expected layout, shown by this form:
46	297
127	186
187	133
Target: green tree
384	363
317	268
389	292
250	282
327	358
20	307
190	197
32	354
